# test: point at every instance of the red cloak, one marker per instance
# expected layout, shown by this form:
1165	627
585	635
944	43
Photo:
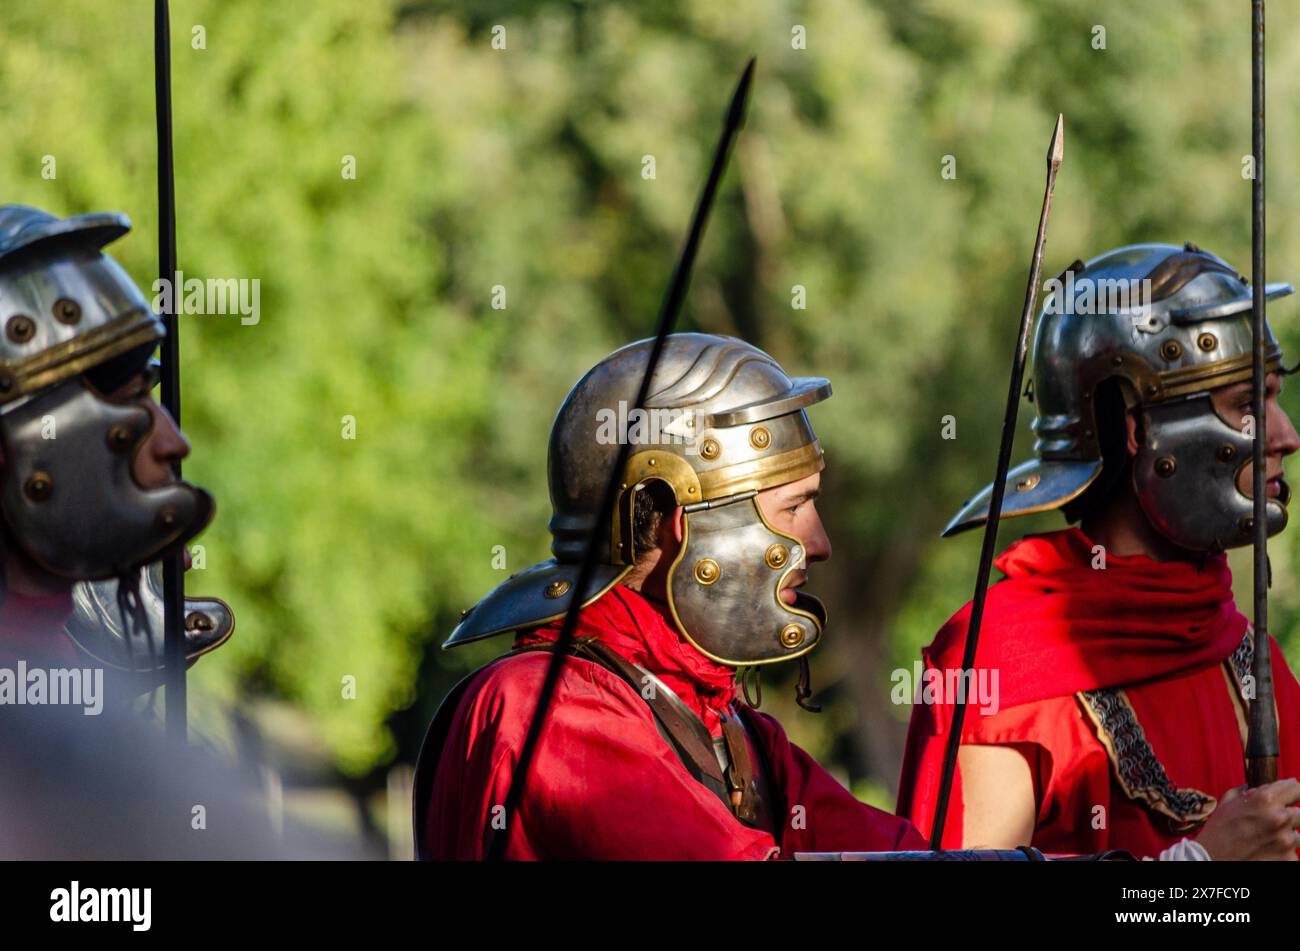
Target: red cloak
603	784
1084	655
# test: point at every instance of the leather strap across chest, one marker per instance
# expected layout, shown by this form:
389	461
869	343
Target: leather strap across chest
746	791
742	789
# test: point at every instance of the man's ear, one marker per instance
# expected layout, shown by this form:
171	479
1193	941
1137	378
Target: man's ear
679	523
1131	429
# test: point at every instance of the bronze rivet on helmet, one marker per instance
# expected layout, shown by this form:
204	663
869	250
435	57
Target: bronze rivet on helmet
652	461
1117	361
556	589
39	486
67	311
1165	466
707	571
791	635
120	437
1028	482
1247	524
776	556
1207	342
710	449
198	621
1171	350
760	438
1152	389
166	519
1226	453
20	328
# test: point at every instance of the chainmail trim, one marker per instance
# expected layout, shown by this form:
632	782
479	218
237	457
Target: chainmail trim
1242	659
1137	770
1139	773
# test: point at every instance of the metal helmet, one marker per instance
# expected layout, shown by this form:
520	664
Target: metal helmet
100	627
71	317
1170	324
722	422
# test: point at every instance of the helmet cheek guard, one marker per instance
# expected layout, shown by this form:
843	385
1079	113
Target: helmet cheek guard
732	565
70	497
1185	476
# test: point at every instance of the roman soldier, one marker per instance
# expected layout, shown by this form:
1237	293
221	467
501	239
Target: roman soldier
1124	664
87	501
86	488
647	751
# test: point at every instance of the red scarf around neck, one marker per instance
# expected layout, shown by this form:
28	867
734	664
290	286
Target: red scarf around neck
1056	625
627	622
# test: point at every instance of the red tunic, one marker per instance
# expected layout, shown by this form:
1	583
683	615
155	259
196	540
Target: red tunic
31	630
1055	627
604	784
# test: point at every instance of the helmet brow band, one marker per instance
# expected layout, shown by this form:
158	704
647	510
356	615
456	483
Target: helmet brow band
714	503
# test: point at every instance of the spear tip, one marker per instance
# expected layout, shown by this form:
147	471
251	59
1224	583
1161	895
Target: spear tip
740	98
1056	151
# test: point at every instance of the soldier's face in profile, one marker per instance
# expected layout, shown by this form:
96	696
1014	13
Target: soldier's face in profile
1233	404
164	443
792	508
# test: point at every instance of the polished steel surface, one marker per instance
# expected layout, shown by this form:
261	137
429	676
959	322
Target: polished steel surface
94	521
97	624
82	306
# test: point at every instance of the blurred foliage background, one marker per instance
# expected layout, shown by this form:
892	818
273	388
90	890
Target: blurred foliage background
478	167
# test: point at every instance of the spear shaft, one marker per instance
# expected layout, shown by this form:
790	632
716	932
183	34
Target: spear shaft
173	564
668	312
1055	155
1261	740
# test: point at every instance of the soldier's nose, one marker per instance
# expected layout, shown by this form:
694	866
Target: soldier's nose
166	444
1282	437
817	543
